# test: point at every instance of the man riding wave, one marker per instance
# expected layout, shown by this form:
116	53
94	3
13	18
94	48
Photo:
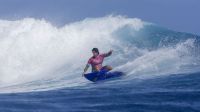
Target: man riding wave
96	61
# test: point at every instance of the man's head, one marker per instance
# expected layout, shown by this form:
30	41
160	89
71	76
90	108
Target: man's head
95	52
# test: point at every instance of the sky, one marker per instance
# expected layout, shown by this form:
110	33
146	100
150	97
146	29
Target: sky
178	15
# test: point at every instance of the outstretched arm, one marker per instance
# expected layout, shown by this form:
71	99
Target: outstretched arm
108	54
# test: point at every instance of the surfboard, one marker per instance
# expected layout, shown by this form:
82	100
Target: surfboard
102	75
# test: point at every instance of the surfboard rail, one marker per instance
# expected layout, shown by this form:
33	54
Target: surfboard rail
102	75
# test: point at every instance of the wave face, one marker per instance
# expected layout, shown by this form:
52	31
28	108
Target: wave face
37	56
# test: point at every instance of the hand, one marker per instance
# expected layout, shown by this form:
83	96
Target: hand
110	52
83	74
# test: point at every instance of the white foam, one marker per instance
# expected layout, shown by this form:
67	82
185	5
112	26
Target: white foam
166	60
34	50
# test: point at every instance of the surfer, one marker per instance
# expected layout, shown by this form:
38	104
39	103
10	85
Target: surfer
96	61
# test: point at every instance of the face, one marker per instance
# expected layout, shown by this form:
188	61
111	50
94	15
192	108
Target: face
94	53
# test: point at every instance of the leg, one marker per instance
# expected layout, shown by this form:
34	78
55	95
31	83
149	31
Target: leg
107	68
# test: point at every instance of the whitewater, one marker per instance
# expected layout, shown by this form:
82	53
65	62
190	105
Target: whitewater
38	59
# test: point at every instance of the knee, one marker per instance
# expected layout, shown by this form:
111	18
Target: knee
109	68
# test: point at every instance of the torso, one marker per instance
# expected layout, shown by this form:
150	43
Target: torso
96	62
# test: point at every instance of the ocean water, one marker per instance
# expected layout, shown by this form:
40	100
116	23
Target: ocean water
41	66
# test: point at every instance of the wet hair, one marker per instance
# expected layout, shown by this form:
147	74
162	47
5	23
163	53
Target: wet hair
95	50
